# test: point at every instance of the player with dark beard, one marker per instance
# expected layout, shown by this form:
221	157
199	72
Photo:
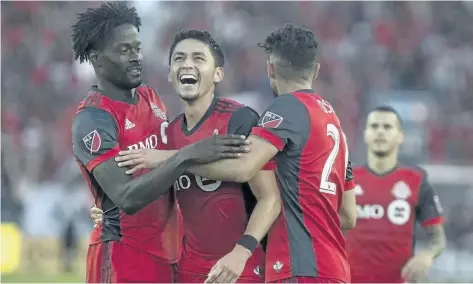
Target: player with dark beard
118	114
302	132
391	198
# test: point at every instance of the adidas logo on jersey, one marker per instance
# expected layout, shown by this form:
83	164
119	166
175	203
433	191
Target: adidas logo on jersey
128	124
358	190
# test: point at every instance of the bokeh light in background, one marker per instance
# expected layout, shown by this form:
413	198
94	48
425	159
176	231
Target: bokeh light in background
416	56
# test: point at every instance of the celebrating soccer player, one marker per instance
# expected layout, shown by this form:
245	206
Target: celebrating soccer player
390	199
302	132
118	114
215	213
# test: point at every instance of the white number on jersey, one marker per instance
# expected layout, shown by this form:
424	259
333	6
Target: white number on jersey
325	185
164	137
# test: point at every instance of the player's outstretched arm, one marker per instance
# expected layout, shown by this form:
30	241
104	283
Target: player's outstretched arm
95	144
242	169
139	192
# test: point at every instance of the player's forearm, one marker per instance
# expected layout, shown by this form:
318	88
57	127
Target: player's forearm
437	240
225	170
268	207
143	190
264	214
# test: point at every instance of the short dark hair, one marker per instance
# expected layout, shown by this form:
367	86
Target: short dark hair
94	25
385	108
295	46
202	36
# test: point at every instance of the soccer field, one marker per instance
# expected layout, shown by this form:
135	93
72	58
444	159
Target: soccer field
24	278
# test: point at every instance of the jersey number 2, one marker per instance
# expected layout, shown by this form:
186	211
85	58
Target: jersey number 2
327	186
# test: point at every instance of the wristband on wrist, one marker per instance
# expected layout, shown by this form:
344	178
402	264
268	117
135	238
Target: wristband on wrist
248	242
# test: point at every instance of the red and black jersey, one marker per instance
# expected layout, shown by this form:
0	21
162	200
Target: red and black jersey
101	128
311	166
215	213
388	207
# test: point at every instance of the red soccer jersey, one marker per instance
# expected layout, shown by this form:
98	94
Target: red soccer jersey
306	239
215	213
387	207
103	127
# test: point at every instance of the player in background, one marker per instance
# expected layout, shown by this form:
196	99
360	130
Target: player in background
391	198
302	132
215	213
120	113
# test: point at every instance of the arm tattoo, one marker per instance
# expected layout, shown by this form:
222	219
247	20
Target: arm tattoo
437	240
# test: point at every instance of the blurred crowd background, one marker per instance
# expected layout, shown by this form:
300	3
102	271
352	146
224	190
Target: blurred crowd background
416	56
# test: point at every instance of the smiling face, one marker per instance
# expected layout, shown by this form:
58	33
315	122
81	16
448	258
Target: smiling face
383	133
193	72
120	60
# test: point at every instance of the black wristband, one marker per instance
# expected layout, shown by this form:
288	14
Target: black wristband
248	242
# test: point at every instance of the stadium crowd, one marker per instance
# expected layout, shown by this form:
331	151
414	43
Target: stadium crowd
367	47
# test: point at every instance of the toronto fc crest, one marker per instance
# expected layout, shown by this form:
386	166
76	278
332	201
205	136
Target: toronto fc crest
158	112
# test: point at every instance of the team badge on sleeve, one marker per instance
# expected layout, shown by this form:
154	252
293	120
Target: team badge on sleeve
271	120
92	141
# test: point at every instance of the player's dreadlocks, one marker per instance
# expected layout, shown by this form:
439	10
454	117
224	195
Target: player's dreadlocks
95	24
202	36
295	48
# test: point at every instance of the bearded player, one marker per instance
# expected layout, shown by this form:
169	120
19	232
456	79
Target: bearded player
391	198
302	132
216	217
119	113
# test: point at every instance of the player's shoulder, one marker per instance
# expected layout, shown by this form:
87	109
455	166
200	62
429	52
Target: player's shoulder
147	91
358	167
287	104
92	116
225	105
94	99
410	169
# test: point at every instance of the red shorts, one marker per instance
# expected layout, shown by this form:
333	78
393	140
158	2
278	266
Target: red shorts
114	262
189	277
302	279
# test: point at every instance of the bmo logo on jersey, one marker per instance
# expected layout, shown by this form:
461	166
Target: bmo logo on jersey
186	182
369	211
397	212
152	141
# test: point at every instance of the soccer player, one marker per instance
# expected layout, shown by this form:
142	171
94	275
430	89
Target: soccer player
390	199
302	132
215	213
120	113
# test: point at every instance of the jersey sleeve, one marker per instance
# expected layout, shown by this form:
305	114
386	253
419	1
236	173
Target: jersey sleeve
428	211
242	122
94	137
286	120
349	177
